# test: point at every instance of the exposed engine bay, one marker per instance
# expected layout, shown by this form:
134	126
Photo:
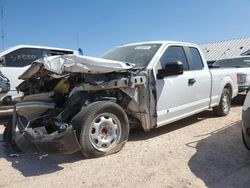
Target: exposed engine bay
59	87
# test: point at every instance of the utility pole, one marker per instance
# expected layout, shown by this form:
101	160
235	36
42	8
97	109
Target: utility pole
2	21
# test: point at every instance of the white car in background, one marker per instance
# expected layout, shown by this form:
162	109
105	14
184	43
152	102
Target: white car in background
242	63
16	60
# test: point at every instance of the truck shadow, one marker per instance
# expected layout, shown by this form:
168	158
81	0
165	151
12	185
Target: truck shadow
221	159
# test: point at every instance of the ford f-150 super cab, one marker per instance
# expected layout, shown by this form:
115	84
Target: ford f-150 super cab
74	102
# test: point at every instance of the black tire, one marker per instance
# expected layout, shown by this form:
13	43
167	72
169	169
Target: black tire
84	121
225	104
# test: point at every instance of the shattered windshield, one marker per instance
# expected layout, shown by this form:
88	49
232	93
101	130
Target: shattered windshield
140	55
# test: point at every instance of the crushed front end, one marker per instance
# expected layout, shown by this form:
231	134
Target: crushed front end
56	89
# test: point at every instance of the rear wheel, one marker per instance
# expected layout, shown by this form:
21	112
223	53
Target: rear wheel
102	128
225	103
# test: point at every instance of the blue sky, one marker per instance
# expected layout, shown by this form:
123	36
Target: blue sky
103	24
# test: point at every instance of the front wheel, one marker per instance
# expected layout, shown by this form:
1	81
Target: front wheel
225	103
102	128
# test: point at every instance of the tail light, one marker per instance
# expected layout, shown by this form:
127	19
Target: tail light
241	78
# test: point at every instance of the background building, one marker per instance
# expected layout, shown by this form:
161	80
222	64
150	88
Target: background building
226	49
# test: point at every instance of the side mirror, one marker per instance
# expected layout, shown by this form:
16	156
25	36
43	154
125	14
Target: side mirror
171	69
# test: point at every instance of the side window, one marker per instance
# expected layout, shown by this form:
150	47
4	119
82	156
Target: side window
172	54
196	59
22	57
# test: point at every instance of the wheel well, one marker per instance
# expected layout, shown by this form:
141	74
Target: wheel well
229	87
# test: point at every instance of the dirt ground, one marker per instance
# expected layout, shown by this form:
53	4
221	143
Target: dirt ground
200	151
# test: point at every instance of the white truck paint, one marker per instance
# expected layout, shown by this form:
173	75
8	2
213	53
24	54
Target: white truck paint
176	99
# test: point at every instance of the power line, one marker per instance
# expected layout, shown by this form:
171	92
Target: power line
77	39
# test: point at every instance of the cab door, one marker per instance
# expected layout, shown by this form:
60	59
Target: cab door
202	86
174	93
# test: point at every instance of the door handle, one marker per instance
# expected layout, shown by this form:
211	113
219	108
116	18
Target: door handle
191	81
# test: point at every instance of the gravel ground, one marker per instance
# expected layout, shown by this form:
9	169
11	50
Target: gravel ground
200	151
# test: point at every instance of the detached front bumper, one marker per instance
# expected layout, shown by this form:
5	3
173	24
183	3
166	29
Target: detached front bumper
64	142
246	127
61	140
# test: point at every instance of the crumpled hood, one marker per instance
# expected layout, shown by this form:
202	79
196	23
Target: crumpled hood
76	64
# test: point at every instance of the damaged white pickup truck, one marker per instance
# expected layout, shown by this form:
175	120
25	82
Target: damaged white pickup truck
74	103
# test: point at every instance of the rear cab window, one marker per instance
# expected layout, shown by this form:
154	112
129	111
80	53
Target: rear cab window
195	58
